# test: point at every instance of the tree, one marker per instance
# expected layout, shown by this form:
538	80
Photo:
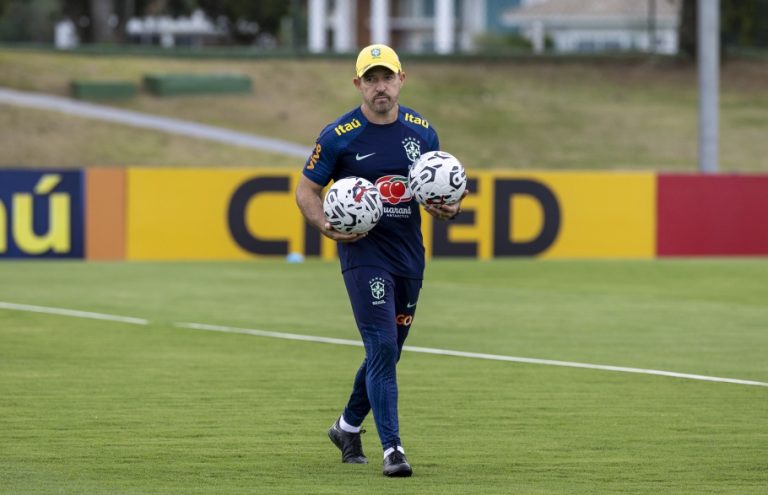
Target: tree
29	20
688	30
247	18
92	20
102	21
101	12
743	24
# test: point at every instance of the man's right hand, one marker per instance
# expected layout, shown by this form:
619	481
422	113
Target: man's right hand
337	236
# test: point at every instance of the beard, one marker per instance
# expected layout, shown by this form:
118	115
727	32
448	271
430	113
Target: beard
381	104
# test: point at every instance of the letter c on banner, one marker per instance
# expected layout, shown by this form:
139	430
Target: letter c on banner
238	226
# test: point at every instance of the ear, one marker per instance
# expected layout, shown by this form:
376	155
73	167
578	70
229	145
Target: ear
402	77
356	82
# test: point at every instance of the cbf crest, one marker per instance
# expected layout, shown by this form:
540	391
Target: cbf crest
412	148
378	290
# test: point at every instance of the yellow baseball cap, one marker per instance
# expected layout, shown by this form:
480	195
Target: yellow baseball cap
377	55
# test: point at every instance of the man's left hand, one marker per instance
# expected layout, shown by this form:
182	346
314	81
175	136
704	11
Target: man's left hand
445	211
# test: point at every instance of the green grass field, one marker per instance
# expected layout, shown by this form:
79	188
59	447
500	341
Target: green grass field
89	406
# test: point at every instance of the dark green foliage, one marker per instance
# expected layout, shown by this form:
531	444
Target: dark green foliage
743	24
240	13
30	20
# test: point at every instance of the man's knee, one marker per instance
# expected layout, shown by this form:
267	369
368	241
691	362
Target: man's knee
381	351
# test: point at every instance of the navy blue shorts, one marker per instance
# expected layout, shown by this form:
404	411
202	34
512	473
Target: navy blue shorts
380	299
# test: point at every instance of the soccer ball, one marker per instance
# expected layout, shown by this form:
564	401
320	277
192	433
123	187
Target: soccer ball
437	178
353	205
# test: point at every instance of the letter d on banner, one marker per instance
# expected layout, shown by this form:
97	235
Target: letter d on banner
505	190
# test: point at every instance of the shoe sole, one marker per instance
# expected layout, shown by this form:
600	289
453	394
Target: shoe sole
404	473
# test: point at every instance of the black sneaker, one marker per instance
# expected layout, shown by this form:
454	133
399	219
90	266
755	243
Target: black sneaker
396	465
348	443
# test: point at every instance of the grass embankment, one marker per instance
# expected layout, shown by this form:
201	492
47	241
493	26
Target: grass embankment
509	114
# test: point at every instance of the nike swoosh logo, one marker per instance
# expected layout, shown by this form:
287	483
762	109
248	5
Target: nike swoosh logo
358	157
410	305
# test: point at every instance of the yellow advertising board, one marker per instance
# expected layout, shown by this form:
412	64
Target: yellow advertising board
242	213
607	215
202	214
602	215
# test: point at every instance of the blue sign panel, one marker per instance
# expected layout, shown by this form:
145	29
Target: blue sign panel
42	214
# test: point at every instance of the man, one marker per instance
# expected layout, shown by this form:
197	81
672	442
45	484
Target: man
383	268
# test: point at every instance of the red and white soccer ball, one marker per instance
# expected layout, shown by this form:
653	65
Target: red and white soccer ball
436	178
353	205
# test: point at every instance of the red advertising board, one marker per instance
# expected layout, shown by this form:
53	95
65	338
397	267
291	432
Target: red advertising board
712	215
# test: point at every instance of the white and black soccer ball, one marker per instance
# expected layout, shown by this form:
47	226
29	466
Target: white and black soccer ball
436	178
353	205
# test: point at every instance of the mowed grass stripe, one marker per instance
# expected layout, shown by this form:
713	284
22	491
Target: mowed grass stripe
347	342
72	312
472	355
